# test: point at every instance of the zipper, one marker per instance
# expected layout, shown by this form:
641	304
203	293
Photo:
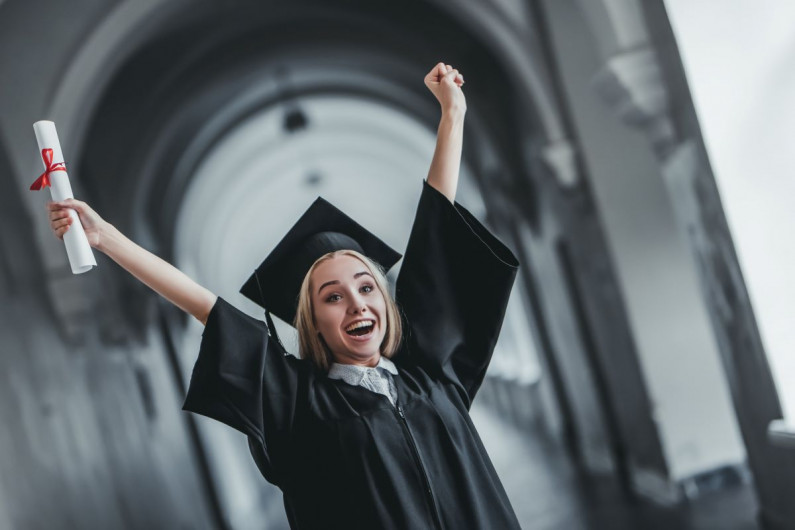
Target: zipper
428	490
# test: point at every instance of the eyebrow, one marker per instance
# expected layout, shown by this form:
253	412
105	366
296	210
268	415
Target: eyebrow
336	282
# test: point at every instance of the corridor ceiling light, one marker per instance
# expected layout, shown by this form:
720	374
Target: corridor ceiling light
295	120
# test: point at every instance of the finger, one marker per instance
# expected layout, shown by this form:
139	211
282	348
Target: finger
61	222
59	214
451	76
79	206
435	74
61	231
62	205
73	204
438	73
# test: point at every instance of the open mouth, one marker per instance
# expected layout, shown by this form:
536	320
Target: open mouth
361	328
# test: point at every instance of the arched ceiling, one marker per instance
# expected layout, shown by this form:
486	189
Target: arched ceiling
367	158
201	75
220	67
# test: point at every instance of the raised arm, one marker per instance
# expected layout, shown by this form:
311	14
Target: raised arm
165	279
445	84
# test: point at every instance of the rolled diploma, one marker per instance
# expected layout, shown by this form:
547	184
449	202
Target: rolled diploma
81	259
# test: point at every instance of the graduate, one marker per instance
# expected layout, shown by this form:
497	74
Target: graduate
369	428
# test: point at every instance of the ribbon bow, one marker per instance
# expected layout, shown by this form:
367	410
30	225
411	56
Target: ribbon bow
44	179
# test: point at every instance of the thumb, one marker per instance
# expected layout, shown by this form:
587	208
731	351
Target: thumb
72	203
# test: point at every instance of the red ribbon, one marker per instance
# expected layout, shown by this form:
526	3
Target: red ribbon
44	179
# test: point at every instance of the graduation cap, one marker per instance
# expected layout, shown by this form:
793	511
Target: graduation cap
276	283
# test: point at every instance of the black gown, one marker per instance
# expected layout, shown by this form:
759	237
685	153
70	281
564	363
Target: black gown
343	456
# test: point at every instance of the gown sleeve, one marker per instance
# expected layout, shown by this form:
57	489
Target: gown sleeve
453	289
246	380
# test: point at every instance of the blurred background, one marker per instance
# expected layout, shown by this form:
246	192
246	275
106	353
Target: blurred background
633	153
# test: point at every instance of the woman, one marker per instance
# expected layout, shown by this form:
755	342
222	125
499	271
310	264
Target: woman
353	438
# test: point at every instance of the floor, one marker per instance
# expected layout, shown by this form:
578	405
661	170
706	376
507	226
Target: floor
548	493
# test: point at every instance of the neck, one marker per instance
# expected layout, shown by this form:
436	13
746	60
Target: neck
370	362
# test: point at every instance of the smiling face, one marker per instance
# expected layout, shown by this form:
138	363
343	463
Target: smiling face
349	310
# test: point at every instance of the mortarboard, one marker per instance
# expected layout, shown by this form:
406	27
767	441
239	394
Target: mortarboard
323	228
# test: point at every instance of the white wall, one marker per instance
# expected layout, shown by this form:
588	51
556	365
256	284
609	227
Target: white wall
667	314
740	61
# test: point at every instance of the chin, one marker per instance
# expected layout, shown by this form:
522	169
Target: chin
363	351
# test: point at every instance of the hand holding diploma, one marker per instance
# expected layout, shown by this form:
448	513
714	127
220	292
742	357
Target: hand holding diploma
78	249
159	275
61	219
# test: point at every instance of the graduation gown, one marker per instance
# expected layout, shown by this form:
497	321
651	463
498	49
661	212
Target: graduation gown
343	456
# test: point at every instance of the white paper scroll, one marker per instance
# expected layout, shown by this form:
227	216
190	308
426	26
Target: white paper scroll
81	259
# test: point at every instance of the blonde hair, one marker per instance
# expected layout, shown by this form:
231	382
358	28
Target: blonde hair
311	345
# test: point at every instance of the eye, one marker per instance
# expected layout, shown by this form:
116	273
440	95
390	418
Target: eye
333	298
366	288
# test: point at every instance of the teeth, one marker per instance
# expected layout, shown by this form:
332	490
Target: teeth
361	324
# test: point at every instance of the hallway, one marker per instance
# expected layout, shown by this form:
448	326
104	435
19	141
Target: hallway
649	324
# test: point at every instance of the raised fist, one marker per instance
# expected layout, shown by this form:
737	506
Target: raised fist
445	84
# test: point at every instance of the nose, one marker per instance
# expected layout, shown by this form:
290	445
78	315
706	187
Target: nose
357	305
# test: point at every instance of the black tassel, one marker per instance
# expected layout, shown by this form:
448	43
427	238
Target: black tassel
268	319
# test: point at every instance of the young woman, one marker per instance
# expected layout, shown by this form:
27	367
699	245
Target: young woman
370	428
